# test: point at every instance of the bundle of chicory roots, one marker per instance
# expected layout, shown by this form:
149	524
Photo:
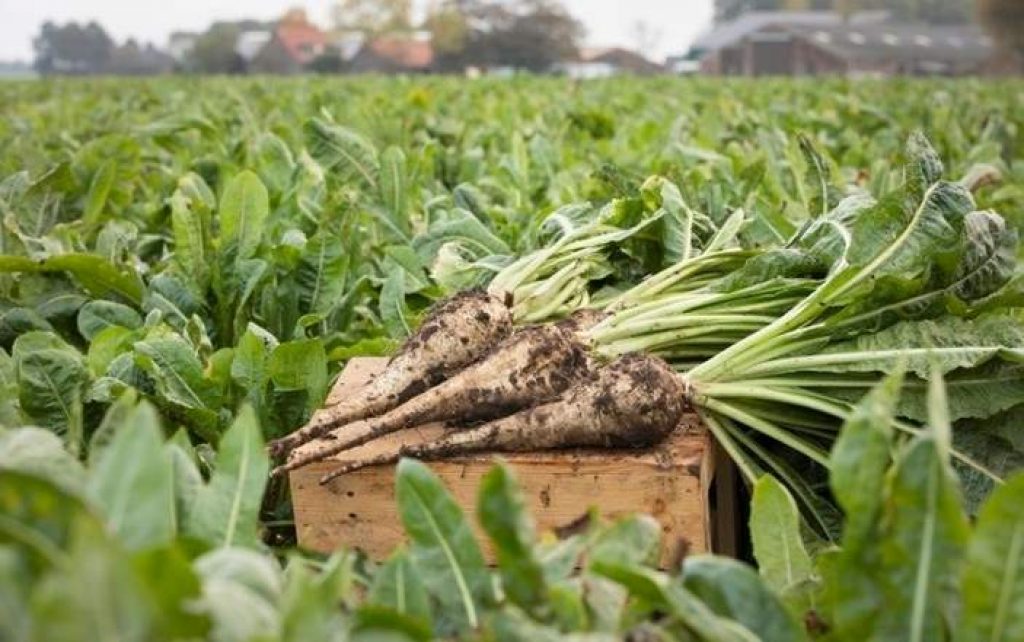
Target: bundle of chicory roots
573	383
534	388
771	346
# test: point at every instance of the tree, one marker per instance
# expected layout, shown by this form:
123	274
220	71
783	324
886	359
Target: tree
448	30
214	50
542	34
72	48
525	34
1004	19
372	17
131	59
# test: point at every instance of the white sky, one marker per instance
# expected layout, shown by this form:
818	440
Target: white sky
675	23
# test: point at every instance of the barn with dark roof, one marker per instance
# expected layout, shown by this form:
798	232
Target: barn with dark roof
825	43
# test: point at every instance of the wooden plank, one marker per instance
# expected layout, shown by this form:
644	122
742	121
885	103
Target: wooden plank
670	482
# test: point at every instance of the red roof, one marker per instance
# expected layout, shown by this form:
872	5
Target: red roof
302	40
404	52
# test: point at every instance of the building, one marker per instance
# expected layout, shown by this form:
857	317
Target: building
288	47
894	49
295	45
826	43
609	61
392	54
303	41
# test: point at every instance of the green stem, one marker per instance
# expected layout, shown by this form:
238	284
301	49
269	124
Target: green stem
512	277
720	304
807	400
671	304
670	276
837	409
647	326
671	338
805	495
552	293
724	439
824	428
800	314
809	381
556	303
670	354
766	428
772	349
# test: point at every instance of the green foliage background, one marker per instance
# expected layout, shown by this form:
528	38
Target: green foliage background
208	241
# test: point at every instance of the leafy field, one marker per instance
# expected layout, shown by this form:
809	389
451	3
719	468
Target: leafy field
186	264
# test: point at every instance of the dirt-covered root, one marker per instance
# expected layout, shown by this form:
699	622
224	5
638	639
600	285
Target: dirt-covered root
457	332
534	365
634	402
577	325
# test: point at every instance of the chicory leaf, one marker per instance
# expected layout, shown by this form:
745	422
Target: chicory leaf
226	511
444	550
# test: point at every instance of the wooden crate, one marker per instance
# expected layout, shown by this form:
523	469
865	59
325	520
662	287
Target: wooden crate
672	482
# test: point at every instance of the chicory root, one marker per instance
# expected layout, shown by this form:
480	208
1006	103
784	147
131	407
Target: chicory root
533	365
456	333
634	402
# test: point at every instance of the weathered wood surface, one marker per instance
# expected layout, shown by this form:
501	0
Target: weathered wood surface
670	482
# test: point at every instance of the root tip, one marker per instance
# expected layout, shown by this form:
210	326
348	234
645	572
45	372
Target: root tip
277	448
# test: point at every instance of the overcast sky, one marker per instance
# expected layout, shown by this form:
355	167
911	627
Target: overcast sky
673	23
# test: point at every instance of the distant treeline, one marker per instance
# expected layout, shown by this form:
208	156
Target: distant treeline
525	34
